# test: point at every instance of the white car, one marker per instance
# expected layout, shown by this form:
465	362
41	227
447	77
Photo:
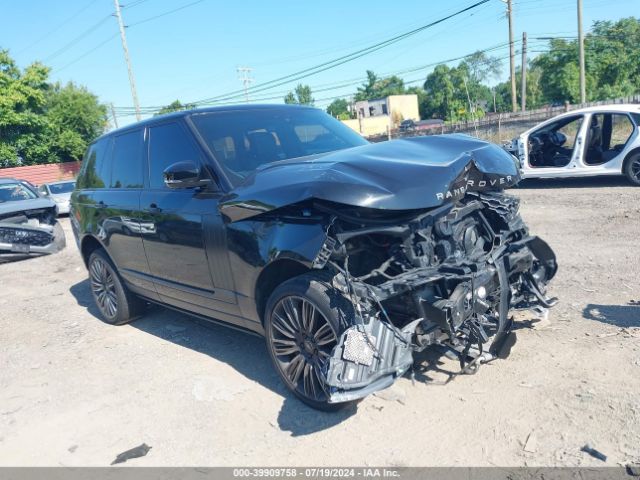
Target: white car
59	192
603	140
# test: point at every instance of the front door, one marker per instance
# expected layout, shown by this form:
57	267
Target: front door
183	233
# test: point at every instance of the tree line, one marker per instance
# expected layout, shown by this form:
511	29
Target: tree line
463	92
44	122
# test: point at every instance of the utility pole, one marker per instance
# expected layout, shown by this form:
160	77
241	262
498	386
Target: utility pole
244	75
132	82
512	55
523	73
113	114
583	89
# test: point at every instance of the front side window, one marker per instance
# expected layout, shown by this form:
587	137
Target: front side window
169	143
126	168
244	140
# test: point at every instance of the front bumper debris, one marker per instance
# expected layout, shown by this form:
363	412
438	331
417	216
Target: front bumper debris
29	239
368	358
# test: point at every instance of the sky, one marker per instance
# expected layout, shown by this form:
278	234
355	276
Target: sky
190	49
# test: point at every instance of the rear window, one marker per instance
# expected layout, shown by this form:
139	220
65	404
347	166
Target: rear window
243	140
59	188
126	160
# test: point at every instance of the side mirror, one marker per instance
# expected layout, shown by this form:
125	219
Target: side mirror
184	175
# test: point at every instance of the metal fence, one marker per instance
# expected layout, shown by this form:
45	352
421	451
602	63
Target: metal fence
500	127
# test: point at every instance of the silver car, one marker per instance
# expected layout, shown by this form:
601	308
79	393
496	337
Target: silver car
59	192
602	140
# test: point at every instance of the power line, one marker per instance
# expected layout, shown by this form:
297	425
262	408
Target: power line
57	28
76	39
88	52
347	83
307	72
165	13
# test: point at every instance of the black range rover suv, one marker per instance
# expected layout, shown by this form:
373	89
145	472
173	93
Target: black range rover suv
347	256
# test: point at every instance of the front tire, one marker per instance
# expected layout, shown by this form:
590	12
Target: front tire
632	169
303	319
117	304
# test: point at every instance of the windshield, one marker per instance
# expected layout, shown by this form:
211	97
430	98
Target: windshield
59	188
243	140
12	192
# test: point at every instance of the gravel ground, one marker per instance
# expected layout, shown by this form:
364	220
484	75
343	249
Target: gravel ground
76	391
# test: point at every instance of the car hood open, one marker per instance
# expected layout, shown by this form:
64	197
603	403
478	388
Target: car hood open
407	174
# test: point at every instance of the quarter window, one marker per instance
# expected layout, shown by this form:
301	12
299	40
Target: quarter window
168	144
127	160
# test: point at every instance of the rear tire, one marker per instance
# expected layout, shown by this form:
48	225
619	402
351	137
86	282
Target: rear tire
117	304
631	169
303	319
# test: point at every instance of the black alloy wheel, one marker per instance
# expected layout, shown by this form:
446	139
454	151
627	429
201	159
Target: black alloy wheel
117	304
301	340
103	287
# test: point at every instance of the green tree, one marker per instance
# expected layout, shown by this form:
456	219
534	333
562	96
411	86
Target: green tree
75	118
175	106
301	95
339	108
612	63
379	87
41	122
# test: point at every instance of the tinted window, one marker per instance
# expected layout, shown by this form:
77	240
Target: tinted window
168	144
636	118
95	170
126	168
243	140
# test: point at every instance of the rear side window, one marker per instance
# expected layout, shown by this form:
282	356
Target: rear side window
168	144
126	160
95	169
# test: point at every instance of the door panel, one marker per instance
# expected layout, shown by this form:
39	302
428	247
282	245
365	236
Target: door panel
183	233
181	254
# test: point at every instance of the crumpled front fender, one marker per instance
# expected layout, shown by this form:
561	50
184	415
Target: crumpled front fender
368	357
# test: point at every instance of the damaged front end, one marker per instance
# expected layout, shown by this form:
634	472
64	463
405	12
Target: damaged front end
31	231
447	277
422	241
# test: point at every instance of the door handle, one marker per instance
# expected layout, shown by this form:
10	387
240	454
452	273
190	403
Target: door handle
153	208
101	204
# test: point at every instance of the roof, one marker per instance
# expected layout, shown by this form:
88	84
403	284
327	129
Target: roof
225	108
617	107
4	181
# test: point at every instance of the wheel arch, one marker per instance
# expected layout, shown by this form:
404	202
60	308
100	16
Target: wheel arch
627	158
272	275
88	245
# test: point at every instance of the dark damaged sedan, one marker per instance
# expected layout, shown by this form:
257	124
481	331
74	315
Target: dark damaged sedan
348	257
28	222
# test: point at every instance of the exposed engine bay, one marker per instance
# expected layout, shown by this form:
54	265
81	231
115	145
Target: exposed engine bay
446	277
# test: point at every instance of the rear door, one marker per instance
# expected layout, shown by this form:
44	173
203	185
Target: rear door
119	209
183	232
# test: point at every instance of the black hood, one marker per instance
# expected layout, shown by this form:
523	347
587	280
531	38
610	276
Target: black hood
407	174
